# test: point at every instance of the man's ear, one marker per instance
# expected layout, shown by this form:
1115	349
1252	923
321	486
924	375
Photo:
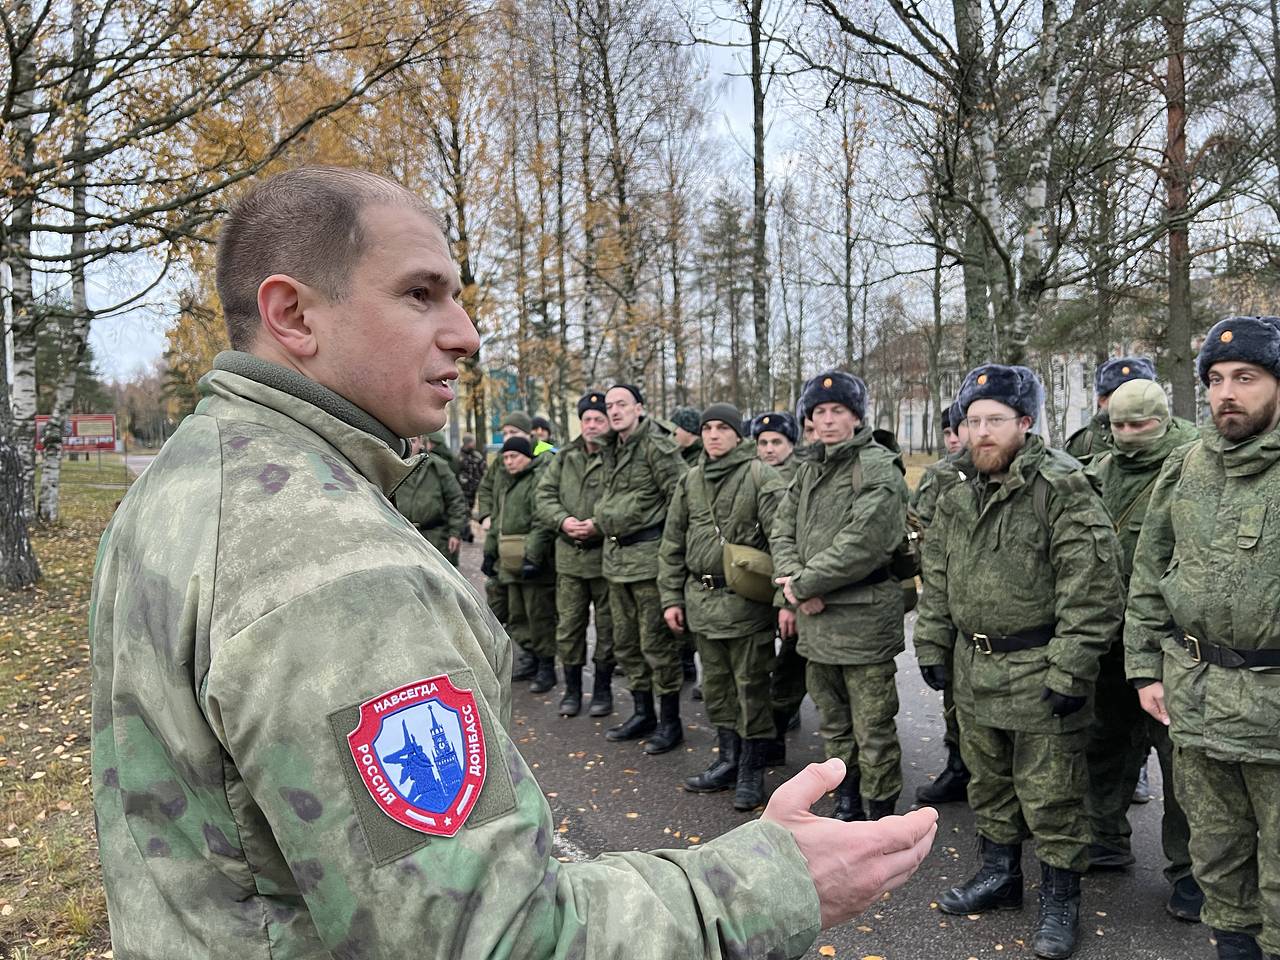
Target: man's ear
282	308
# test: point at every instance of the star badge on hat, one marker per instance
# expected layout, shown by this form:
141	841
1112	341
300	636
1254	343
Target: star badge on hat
982	379
1125	371
766	419
826	382
595	398
1227	336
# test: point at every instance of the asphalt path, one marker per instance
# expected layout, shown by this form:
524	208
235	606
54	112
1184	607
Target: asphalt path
611	796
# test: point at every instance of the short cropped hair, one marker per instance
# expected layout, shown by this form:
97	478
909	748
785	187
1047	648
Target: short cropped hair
304	223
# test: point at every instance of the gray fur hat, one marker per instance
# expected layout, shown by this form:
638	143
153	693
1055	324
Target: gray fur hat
1016	387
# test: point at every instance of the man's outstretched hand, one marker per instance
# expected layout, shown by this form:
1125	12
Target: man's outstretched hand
852	864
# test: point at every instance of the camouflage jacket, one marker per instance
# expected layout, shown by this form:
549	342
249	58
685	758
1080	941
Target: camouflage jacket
1127	479
936	478
692	453
471	470
253	591
514	514
830	538
787	471
1036	550
1208	560
486	493
1091	440
432	501
732	499
641	477
570	487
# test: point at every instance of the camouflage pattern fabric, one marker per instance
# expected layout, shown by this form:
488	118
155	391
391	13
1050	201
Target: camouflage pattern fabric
1117	749
531	622
692	453
431	499
472	467
857	706
571	486
1092	440
514	515
576	597
254	588
735	682
647	651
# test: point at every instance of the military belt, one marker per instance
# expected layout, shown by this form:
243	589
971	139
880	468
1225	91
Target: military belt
646	535
1026	640
432	525
1203	651
583	545
874	577
710	582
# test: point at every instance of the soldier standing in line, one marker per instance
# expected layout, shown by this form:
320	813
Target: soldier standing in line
431	499
1202	633
567	495
837	576
543	433
775	435
1025	659
1143	436
951	785
529	574
471	469
1094	438
644	465
687	421
729	497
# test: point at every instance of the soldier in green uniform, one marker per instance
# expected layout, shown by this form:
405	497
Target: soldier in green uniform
835	534
1202	633
1094	438
687	421
729	497
436	443
1022	588
259	608
644	465
1143	437
519	552
431	499
567	495
775	434
951	785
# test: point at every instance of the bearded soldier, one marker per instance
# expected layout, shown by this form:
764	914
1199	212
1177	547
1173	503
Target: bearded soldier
432	500
833	541
729	497
1025	658
1202	633
1094	438
567	495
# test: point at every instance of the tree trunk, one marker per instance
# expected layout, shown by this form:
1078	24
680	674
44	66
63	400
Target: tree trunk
759	306
1178	188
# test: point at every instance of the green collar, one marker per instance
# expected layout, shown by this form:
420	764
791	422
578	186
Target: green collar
845	449
1247	457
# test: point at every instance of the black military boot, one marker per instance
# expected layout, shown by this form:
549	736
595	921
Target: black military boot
723	772
602	691
670	731
571	702
950	786
749	793
996	886
849	797
525	665
775	751
1236	946
639	723
879	809
1059	921
544	678
1185	900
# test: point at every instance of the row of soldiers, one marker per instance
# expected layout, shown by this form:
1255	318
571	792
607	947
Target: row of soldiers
1035	564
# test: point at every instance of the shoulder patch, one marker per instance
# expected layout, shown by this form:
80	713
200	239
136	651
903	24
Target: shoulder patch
420	752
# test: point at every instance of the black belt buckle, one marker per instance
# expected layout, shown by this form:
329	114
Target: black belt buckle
1193	642
983	643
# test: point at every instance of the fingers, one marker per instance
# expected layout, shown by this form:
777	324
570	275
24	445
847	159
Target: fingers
804	789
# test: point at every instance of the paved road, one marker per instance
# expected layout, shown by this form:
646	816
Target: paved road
608	796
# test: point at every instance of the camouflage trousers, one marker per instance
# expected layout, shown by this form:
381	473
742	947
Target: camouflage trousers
950	722
532	617
1116	749
857	707
575	597
495	592
735	682
647	651
1235	841
1026	785
787	685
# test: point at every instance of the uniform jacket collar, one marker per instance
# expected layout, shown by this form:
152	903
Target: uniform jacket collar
367	443
717	470
845	449
1246	458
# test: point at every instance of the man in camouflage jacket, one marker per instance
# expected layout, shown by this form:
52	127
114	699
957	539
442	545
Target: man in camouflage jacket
1094	438
431	499
1202	633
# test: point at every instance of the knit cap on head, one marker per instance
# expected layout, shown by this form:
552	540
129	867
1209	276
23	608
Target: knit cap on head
518	445
518	419
725	413
542	423
632	389
687	419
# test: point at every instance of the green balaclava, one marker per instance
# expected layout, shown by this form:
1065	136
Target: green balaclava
1135	401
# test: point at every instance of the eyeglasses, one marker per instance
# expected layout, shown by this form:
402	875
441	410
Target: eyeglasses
994	422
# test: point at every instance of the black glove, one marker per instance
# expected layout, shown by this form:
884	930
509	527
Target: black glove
489	567
529	570
1060	704
936	676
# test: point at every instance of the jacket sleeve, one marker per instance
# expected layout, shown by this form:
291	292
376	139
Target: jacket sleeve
934	632
667	465
548	508
539	545
1148	619
1088	595
491	537
484	493
782	536
455	502
867	540
671	562
770	489
496	888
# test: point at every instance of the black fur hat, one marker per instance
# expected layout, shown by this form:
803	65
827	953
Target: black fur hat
951	417
1243	339
834	386
593	400
779	422
1016	387
1117	370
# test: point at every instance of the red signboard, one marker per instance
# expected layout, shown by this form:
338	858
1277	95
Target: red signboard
84	432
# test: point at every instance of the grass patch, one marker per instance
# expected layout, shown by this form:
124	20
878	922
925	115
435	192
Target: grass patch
51	901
